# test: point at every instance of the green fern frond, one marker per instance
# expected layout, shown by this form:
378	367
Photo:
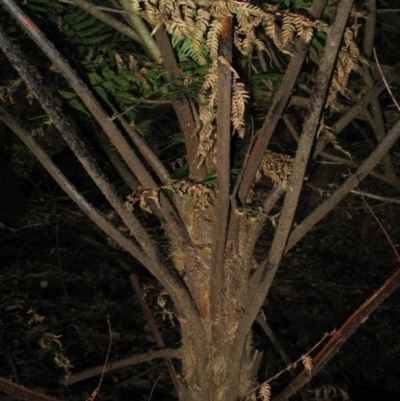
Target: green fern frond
79	20
73	101
42	6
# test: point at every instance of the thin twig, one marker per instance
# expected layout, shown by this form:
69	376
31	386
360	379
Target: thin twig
153	327
122	363
385	80
97	389
384	230
373	196
291	366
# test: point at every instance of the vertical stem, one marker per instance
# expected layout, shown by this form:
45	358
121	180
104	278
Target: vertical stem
264	134
261	281
220	224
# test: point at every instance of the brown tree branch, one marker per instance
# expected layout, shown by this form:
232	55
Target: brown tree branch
358	108
384	199
277	191
384	79
183	112
378	124
340	337
349	327
175	228
220	224
262	321
22	392
122	363
310	129
96	216
264	134
333	158
370	25
151	158
70	136
167	277
321	211
115	136
261	280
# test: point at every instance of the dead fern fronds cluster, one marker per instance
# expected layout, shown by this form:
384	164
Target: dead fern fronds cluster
143	197
277	167
200	22
284	30
196	27
198	196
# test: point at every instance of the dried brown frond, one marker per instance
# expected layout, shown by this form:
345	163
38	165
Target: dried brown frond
142	197
327	131
348	61
307	363
119	62
206	120
239	99
213	36
264	392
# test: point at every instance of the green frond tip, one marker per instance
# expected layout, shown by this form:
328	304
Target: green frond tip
73	101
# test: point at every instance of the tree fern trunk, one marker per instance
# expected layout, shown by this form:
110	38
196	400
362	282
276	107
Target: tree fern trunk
207	372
